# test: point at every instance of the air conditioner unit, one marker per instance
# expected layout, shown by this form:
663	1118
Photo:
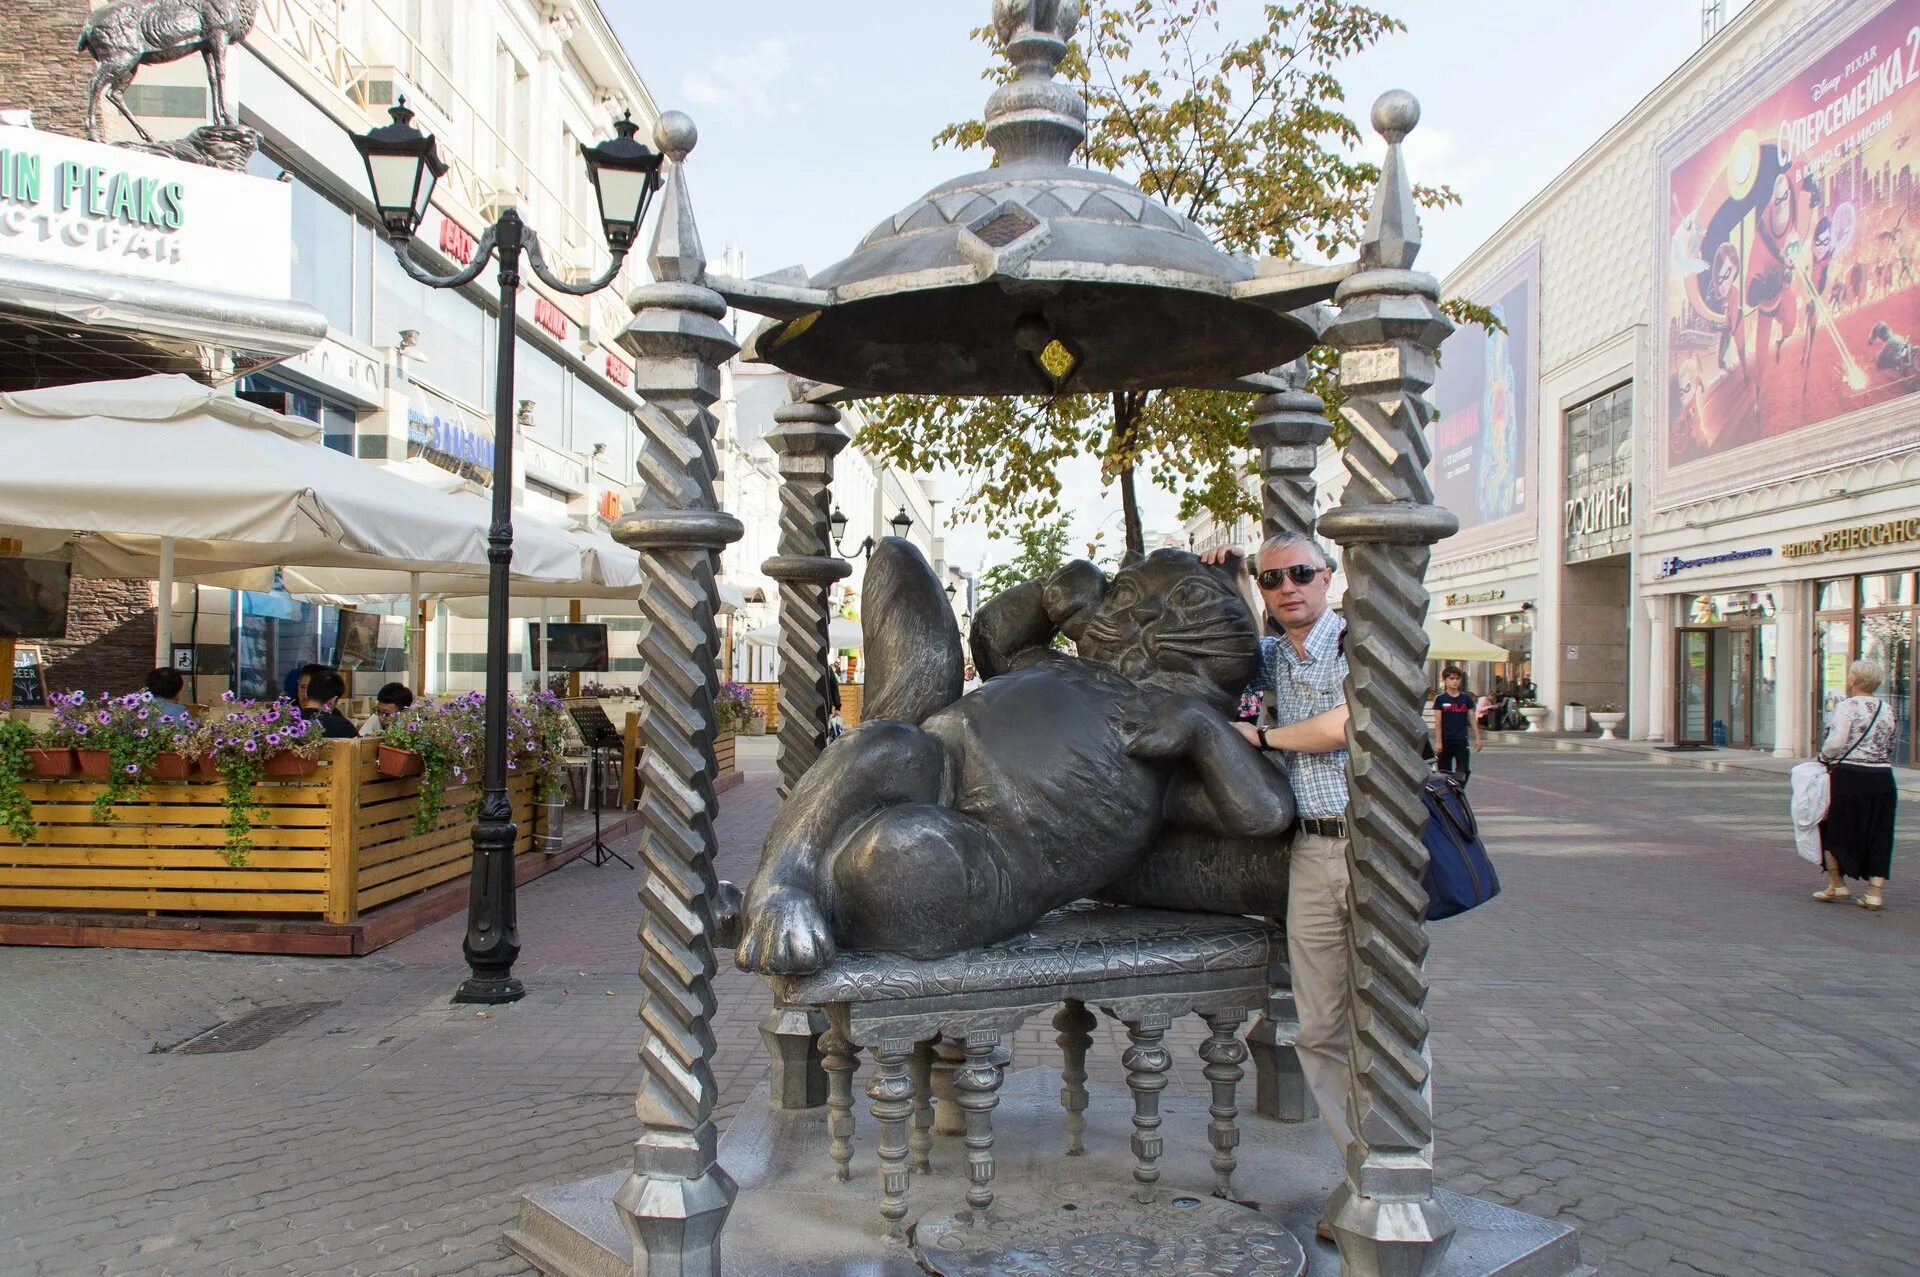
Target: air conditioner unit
379	87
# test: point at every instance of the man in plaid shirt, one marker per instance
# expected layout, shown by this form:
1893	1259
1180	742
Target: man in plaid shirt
1303	679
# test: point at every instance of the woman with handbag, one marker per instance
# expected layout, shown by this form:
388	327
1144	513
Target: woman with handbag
1856	838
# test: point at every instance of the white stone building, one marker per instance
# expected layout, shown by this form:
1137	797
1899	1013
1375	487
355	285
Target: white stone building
1687	472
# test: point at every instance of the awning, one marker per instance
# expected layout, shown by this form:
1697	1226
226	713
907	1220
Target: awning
164	314
1451	643
842	635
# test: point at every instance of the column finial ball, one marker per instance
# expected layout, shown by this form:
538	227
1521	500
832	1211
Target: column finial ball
1395	113
675	135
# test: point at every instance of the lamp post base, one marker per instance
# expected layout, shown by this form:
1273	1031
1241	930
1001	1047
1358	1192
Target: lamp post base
491	990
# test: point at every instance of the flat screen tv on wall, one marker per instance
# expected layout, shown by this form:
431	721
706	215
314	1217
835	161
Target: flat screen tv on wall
33	598
575	648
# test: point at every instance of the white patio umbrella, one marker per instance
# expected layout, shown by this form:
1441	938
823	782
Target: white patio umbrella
841	634
1451	643
160	476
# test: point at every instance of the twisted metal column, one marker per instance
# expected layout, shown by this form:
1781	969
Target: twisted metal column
676	1201
1388	332
806	439
1287	430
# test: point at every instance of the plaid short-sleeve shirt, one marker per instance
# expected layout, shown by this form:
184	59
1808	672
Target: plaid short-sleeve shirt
1297	688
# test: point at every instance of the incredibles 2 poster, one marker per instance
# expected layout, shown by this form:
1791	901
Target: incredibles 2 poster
1483	438
1789	289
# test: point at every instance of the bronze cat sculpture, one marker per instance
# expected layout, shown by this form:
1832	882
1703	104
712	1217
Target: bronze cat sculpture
945	821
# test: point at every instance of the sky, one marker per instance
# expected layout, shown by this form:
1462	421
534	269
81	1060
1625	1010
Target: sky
816	121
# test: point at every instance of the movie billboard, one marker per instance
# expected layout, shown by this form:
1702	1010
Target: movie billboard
1789	282
1483	439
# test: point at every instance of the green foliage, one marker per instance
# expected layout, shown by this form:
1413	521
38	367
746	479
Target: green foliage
238	741
1043	549
129	730
537	736
16	812
1244	133
449	736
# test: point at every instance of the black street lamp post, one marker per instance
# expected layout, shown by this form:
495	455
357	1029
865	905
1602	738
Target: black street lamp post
901	523
402	166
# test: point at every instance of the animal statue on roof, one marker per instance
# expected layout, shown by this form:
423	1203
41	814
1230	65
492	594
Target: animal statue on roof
126	36
948	821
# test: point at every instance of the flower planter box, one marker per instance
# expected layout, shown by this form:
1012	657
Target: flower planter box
284	765
50	764
96	763
400	763
171	766
1607	721
1536	716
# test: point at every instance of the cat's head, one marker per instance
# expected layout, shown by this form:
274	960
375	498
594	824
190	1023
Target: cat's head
1169	614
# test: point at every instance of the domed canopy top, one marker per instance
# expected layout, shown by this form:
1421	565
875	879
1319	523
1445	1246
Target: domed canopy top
1036	276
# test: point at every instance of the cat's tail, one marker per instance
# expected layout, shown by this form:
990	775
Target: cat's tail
912	642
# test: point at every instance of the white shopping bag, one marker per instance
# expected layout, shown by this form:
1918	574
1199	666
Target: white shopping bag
1808	806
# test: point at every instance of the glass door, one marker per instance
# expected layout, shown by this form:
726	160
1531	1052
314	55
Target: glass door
1695	666
1732	677
1886	638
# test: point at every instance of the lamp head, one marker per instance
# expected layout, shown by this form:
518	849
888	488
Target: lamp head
901	523
625	173
402	166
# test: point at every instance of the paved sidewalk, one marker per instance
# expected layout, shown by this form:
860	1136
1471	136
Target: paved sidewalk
1653	1035
1710	758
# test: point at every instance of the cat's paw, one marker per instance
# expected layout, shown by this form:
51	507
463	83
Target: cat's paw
1156	730
786	934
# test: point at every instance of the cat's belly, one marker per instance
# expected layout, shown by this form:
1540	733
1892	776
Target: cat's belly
1040	761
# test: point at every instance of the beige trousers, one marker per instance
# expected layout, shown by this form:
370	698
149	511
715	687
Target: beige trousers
1319	951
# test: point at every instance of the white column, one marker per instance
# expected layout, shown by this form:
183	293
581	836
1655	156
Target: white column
163	619
1656	696
1792	690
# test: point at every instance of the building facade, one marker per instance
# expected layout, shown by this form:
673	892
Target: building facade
399	372
1686	470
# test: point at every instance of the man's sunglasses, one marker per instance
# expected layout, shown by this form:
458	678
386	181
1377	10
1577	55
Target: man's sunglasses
1302	574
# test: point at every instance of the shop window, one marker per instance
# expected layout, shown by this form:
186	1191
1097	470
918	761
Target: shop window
332	253
540	377
1834	596
1894	589
1599	476
600	420
450	348
336	420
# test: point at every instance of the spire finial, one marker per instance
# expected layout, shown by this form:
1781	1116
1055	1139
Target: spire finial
1035	119
676	254
1392	239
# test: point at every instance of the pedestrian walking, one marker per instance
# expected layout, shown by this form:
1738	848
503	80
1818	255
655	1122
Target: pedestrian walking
1856	838
1454	722
1303	679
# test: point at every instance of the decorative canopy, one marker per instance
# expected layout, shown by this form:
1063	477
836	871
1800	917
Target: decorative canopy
1036	276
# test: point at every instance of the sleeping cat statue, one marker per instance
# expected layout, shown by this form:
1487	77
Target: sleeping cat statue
945	822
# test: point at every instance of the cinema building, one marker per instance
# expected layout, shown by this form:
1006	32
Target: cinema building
1688	470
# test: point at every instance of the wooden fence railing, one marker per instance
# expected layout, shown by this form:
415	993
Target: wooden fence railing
332	844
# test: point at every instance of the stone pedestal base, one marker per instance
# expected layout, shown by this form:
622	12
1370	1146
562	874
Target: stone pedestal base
792	1219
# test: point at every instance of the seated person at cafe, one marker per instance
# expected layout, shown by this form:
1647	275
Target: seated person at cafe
296	684
166	684
387	702
316	705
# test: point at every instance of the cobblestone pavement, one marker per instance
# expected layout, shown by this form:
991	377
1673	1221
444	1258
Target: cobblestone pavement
1653	1035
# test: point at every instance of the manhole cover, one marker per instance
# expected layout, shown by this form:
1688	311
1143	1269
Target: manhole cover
1068	1231
255	1028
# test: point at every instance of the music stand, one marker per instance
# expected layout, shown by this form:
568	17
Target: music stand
599	733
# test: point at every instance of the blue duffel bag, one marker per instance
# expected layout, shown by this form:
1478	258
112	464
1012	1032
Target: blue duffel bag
1459	874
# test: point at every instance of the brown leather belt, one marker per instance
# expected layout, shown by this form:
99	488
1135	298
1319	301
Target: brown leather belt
1325	826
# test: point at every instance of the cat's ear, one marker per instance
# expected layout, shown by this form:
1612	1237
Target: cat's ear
1233	567
1131	559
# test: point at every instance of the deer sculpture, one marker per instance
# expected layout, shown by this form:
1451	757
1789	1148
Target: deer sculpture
126	36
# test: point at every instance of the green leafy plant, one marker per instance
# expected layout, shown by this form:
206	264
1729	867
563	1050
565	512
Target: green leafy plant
16	812
129	730
238	746
449	736
537	736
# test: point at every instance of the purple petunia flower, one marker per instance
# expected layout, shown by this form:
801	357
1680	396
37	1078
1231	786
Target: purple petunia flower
273	738
80	729
133	769
251	746
103	718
